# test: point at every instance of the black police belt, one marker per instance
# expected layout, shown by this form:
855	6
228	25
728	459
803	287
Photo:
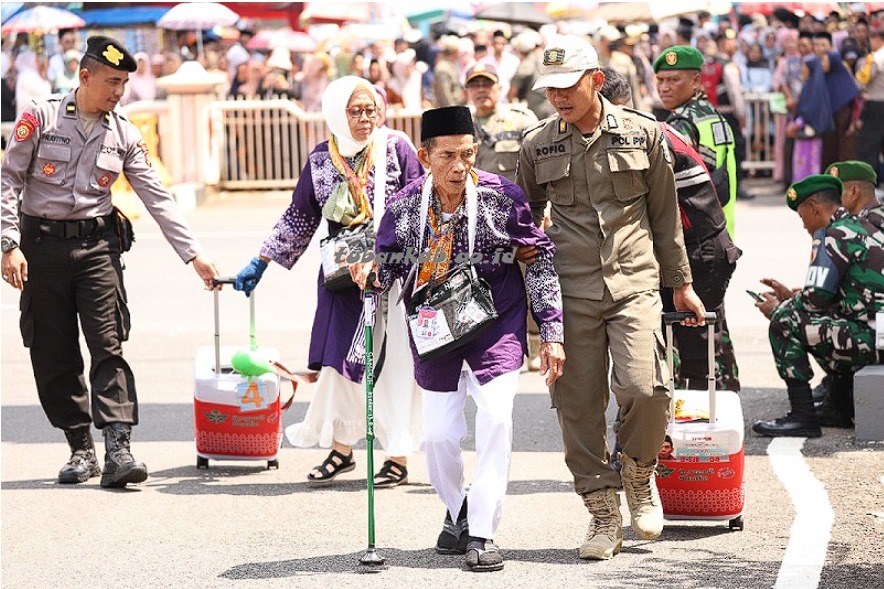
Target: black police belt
66	229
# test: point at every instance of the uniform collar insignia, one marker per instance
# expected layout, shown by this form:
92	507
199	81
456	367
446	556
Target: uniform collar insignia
71	107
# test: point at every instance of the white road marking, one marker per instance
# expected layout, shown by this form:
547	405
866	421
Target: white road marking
809	537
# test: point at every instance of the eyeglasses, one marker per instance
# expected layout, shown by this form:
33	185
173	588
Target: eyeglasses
356	113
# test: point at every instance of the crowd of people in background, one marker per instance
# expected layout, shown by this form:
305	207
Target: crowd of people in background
746	54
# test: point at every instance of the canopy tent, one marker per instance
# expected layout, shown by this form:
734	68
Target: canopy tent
123	16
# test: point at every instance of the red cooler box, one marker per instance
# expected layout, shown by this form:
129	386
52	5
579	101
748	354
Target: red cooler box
235	417
700	470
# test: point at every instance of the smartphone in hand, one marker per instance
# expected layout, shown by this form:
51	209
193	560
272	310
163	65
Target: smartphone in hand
755	296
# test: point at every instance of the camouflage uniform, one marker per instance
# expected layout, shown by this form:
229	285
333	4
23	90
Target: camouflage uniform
830	318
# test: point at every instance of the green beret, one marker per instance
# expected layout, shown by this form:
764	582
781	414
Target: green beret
679	57
853	170
799	191
111	53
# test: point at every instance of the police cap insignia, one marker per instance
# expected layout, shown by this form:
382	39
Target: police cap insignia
791	194
671	57
111	53
554	57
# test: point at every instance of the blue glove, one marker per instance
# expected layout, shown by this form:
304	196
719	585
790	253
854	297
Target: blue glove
248	277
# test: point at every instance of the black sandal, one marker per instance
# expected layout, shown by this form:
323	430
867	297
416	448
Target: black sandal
391	475
335	464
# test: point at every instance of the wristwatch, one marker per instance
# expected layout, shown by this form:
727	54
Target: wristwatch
7	244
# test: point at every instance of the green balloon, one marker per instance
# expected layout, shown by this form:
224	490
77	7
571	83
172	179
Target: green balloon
251	363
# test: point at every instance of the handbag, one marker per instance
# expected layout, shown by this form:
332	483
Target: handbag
448	314
338	251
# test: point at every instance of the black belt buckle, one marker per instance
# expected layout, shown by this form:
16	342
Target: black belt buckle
72	229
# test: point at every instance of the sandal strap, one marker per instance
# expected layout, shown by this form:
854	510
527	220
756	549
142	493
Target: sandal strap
392	471
333	462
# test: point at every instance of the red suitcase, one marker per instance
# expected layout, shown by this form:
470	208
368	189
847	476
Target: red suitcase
235	417
700	473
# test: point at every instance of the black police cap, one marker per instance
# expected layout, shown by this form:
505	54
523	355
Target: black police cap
111	53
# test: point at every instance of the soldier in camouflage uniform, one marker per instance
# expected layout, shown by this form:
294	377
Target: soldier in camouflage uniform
681	90
830	317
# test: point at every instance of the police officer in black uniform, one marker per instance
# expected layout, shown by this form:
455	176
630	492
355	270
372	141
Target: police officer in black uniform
61	244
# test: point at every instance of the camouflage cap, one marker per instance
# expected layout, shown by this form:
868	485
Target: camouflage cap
799	191
679	57
111	53
853	170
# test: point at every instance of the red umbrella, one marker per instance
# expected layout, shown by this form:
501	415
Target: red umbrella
42	19
294	41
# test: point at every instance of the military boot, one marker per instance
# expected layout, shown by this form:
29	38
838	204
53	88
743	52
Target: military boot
604	538
837	408
640	487
800	422
120	468
83	464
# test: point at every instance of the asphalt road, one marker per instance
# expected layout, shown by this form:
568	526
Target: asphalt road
240	525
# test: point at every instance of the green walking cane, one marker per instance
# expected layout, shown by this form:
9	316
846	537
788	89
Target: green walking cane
372	561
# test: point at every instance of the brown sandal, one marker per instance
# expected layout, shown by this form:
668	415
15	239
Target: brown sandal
391	475
335	464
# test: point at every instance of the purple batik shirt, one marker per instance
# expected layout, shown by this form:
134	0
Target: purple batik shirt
337	312
504	222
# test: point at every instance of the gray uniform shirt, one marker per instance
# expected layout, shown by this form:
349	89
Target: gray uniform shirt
61	174
615	218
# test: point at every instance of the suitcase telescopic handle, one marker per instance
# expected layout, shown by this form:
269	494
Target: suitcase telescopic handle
252	339
679	316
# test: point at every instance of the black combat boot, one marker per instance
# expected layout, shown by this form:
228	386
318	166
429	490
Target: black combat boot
800	422
120	468
821	391
83	464
837	409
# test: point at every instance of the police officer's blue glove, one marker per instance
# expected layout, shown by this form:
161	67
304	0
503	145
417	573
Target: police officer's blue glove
248	277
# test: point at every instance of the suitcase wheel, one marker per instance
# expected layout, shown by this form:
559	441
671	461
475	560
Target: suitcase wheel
736	523
272	464
202	462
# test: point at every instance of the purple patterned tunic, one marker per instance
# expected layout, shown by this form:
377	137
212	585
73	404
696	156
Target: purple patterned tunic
504	221
337	312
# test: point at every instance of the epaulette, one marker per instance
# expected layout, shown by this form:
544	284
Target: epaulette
646	115
533	126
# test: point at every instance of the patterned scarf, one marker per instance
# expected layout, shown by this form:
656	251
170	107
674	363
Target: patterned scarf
357	181
439	245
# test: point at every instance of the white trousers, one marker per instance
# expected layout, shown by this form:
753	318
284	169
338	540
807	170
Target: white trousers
444	428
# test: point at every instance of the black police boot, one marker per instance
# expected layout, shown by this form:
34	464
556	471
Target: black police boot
800	422
83	464
120	468
837	409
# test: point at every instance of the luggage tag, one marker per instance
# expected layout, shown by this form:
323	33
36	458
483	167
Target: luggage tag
429	328
251	394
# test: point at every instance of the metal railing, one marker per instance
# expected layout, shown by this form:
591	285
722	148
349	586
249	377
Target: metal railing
760	132
264	144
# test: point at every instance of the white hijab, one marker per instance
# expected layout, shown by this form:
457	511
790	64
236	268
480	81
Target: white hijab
334	108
